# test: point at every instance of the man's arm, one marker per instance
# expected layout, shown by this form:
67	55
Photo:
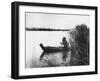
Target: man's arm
61	43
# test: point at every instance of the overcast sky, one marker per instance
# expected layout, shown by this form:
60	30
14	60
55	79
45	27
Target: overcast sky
59	21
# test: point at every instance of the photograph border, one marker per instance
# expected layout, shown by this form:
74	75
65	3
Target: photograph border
15	39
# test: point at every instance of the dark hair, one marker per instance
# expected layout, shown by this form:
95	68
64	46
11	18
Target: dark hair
64	38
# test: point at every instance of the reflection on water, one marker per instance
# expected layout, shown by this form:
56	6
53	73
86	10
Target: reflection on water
56	59
51	60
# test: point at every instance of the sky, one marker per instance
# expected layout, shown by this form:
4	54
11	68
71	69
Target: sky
57	21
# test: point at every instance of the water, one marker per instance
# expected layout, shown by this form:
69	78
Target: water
35	57
51	60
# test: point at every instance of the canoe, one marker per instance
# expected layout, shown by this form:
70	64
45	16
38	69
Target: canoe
53	49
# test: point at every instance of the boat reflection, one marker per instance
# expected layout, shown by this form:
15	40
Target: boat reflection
55	59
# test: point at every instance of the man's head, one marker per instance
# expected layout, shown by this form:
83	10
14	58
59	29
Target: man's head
64	39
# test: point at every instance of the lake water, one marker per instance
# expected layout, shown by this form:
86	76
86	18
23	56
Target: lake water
35	57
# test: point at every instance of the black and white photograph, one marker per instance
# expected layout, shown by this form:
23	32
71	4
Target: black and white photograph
56	40
50	40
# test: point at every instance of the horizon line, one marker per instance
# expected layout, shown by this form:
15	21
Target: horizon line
45	29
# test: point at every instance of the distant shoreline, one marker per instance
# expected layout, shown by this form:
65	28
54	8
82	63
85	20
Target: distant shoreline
45	29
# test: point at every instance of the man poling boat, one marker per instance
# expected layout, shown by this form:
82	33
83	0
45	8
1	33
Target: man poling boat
56	49
65	43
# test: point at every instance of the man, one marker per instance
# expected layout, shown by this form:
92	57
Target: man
65	43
